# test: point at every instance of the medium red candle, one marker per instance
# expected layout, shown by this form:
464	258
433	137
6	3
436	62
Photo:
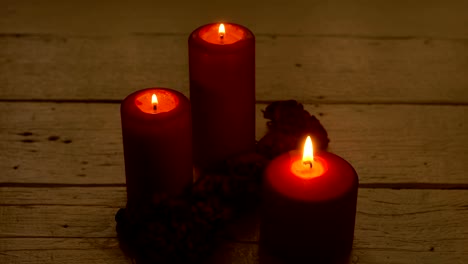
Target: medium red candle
157	140
222	92
309	206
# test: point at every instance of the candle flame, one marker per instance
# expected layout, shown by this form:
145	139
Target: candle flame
308	154
154	101
221	30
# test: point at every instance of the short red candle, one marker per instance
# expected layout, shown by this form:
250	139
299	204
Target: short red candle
309	213
157	143
222	92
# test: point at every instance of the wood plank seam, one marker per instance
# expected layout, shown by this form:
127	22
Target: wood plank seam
392	186
273	36
312	102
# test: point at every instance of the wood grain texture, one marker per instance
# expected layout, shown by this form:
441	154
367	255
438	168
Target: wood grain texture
113	197
392	226
107	200
86	250
337	17
310	69
57	221
81	143
60	250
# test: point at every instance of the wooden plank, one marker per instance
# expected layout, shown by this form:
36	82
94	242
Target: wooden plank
412	220
71	143
81	143
398	144
109	198
310	69
57	221
364	17
77	204
98	250
72	250
378	256
113	197
393	226
429	218
62	250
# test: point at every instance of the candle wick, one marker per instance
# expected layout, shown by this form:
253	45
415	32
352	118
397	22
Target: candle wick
155	107
308	163
221	36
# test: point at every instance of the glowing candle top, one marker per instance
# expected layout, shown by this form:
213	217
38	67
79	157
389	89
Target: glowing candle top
309	166
308	176
154	101
223	33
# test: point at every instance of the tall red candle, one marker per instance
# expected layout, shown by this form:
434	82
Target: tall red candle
222	92
309	207
157	140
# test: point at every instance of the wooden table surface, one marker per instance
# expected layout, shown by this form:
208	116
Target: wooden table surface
387	79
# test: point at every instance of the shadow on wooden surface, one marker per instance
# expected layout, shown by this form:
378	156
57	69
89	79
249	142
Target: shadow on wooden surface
267	257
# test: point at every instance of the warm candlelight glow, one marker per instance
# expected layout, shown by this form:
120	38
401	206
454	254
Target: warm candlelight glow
223	33
309	166
154	101
221	30
308	154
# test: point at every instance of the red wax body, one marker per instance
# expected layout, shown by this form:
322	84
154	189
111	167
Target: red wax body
311	218
222	92
157	144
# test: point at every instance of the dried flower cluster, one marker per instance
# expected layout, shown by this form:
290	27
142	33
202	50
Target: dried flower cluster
288	127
